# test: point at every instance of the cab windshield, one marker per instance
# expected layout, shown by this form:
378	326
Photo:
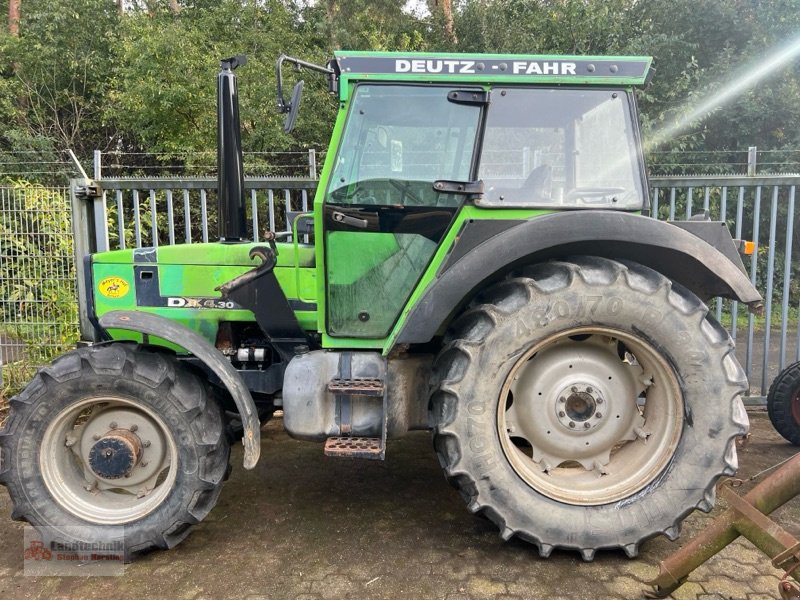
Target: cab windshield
399	139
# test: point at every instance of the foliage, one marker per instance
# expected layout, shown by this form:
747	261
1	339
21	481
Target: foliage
37	289
163	95
83	75
57	82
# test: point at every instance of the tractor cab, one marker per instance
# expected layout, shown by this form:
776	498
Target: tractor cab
419	137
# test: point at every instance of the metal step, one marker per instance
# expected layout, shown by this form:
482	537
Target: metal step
355	447
357	387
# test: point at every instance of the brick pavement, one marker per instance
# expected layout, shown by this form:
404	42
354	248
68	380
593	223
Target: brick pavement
304	526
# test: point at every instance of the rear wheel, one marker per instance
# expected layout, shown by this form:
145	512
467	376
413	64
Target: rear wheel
783	403
114	443
587	404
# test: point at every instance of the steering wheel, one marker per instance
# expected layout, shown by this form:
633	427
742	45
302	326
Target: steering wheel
590	192
404	187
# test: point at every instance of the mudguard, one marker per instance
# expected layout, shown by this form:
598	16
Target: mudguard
486	250
184	337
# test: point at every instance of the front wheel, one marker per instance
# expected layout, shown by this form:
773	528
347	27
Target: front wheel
587	404
114	444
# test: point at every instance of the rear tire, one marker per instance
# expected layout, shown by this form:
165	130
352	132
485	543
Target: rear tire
153	419
783	403
558	375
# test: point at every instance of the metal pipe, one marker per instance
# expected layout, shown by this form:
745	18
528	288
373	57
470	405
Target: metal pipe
735	304
672	204
153	220
187	224
723	216
689	202
654	204
773	218
204	215
120	220
254	213
137	219
753	269
787	277
170	219
773	492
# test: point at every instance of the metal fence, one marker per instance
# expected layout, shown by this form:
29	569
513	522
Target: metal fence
149	212
37	279
153	212
761	209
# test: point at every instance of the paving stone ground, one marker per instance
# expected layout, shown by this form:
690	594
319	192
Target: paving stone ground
303	526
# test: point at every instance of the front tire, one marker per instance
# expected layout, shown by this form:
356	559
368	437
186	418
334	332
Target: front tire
114	443
587	404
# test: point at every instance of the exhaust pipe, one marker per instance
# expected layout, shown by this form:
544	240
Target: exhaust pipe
230	171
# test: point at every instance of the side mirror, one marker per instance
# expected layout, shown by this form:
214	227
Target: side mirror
294	106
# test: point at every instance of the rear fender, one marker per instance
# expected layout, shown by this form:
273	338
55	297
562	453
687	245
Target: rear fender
487	250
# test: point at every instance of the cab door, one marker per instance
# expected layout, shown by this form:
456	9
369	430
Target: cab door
383	216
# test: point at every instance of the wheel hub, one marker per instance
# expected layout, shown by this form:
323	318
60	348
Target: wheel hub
115	454
578	407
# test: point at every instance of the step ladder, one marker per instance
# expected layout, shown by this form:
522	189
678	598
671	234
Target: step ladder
344	388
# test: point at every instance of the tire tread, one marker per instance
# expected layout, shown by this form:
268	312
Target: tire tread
548	278
163	375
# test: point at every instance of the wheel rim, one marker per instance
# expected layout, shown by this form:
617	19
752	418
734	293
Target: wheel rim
796	407
108	460
590	415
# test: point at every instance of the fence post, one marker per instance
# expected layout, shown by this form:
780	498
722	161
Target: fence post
752	155
100	210
312	163
98	167
83	243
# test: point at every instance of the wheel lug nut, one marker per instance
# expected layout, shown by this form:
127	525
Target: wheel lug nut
134	428
598	415
572	424
146	443
561	413
589	390
574	388
562	399
113	425
599	400
586	425
144	463
96	437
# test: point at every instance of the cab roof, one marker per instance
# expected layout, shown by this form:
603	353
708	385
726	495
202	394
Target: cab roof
491	68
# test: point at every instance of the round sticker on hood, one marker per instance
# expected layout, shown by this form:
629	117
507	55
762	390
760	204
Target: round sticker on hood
113	287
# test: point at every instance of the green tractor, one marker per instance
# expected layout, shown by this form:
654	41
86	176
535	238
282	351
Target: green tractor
479	262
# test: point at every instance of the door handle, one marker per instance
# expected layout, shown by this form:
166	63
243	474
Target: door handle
344	219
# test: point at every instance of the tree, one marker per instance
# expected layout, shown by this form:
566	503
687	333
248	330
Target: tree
13	17
163	96
444	9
